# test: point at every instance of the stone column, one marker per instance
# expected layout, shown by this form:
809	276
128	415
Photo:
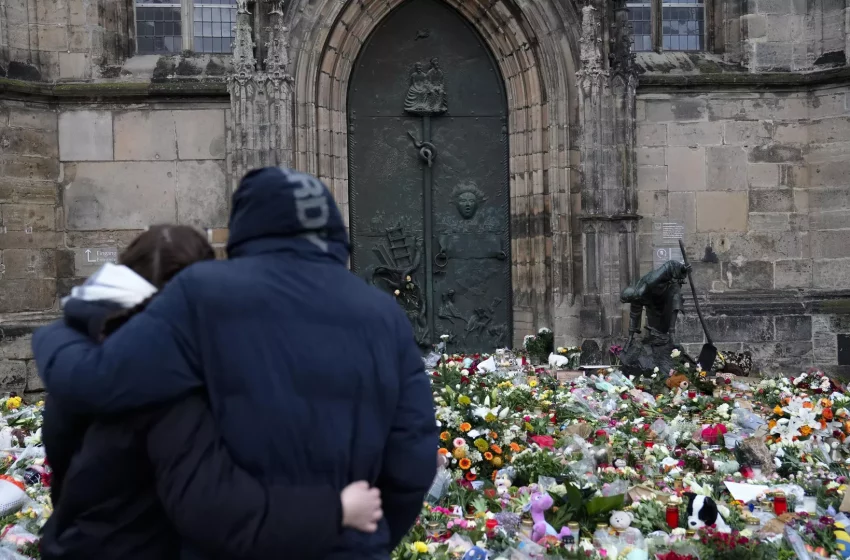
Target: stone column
606	87
260	97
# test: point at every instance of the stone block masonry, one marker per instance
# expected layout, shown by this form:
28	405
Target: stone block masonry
77	184
761	182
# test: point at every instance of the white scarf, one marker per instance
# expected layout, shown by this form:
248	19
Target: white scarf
115	283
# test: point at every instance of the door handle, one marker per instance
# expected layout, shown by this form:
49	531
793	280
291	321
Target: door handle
427	150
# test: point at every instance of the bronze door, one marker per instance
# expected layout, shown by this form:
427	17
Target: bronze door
428	176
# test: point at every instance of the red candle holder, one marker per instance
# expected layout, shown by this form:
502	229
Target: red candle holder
672	516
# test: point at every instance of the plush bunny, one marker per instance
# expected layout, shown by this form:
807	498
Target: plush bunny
703	512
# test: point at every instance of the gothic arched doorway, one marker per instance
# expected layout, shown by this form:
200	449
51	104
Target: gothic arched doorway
428	175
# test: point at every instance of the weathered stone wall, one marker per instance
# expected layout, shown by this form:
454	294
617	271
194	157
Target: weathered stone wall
781	35
77	182
761	182
63	39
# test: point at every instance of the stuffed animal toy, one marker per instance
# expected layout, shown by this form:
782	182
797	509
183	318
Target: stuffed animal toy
842	540
503	485
620	520
558	361
675	382
539	503
703	512
475	553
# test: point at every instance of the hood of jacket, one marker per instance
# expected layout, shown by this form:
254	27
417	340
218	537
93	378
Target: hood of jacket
278	209
112	288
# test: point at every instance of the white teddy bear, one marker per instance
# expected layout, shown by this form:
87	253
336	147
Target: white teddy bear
620	520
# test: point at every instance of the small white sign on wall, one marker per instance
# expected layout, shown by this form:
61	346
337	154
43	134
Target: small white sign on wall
665	242
88	259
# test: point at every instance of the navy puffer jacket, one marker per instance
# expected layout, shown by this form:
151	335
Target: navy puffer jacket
314	377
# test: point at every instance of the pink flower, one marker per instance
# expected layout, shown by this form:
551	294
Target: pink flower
459	442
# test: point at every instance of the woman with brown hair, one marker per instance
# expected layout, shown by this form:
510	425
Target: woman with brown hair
159	483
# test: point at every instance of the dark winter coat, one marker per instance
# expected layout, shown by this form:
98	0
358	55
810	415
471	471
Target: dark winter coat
314	377
146	484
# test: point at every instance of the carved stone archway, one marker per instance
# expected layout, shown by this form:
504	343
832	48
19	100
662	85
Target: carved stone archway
570	82
534	47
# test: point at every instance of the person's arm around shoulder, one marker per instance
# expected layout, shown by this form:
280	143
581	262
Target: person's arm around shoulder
409	467
150	360
221	508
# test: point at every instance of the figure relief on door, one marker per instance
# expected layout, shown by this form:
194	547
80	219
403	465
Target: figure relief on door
428	188
426	95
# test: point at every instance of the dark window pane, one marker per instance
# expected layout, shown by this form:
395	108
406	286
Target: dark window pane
214	25
681	26
158	27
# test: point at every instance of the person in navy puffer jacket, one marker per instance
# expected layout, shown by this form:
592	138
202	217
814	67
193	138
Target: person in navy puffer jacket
313	376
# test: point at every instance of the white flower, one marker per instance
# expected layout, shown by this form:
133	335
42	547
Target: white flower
656	370
675	353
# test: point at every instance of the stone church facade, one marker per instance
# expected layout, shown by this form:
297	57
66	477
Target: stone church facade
506	165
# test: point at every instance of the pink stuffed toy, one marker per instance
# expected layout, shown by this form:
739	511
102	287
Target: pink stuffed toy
539	503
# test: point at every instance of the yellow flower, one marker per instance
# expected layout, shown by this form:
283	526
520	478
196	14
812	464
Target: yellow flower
497	462
481	445
532	383
464	400
777	410
703	374
490	417
13	403
39	403
419	547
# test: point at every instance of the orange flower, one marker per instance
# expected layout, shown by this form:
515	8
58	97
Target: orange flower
496	449
777	410
805	431
515	447
771	424
827	414
470	476
494	435
488	456
465	463
465	427
445	436
443	451
808	404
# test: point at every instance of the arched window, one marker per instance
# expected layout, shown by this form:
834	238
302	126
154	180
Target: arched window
173	26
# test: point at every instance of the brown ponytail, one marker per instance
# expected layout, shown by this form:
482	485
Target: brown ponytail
158	255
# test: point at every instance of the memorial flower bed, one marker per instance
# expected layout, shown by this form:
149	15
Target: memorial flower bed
675	465
546	463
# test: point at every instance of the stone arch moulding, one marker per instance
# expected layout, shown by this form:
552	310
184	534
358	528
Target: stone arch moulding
533	43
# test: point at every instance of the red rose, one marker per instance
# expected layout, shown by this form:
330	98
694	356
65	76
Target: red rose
491	524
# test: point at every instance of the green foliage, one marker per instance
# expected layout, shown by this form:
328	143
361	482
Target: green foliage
540	345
